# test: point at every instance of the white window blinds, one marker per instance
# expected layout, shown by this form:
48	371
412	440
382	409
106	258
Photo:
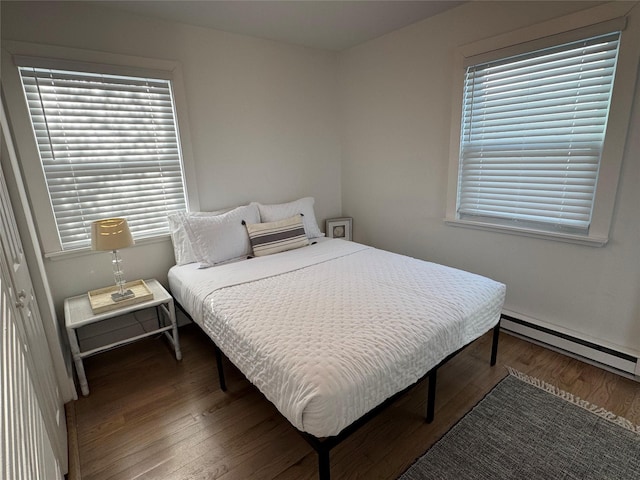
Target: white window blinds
533	128
109	147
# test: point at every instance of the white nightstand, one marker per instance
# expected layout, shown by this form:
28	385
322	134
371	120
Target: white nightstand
78	313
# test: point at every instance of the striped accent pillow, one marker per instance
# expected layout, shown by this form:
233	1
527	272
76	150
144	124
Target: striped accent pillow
274	237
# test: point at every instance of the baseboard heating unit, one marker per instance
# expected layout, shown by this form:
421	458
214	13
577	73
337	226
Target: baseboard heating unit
619	362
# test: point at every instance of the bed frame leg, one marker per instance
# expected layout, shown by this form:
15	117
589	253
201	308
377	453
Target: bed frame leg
494	345
324	465
223	384
431	395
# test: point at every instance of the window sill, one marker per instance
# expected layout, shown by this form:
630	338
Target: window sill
592	240
81	252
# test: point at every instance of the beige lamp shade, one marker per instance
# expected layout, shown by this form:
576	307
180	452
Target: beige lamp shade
110	234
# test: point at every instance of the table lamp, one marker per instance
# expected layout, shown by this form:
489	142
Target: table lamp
112	234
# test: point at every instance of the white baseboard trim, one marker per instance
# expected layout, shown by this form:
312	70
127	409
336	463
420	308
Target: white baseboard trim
604	357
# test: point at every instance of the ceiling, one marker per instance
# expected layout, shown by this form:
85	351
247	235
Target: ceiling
325	24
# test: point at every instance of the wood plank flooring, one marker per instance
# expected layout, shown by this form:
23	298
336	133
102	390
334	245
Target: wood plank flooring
151	417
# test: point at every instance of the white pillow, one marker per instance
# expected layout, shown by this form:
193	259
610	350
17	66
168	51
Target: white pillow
273	213
219	238
182	248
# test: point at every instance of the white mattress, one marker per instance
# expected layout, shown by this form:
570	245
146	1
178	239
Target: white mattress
328	332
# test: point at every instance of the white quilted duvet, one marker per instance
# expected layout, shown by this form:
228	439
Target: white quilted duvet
328	332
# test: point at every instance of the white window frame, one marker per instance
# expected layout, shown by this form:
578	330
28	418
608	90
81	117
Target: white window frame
599	20
82	60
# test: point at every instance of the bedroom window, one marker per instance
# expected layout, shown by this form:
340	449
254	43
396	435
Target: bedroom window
533	129
540	125
109	146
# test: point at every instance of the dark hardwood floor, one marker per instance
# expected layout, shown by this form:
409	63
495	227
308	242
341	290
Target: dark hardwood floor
151	417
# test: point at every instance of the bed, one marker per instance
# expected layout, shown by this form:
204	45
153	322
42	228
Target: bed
332	331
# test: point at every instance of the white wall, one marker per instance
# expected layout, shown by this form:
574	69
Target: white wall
263	118
396	111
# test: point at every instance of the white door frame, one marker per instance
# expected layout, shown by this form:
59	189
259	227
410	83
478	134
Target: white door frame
24	219
32	351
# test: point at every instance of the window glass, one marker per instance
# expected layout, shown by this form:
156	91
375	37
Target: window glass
532	135
109	147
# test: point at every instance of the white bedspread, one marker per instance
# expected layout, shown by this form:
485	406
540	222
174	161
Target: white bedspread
328	332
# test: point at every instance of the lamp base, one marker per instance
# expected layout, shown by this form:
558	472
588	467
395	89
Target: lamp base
120	296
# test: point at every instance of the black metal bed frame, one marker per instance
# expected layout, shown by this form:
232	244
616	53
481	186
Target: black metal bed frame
323	446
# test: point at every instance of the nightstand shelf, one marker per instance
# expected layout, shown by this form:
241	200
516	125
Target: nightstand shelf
78	313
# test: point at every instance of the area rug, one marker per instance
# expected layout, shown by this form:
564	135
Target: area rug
527	429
